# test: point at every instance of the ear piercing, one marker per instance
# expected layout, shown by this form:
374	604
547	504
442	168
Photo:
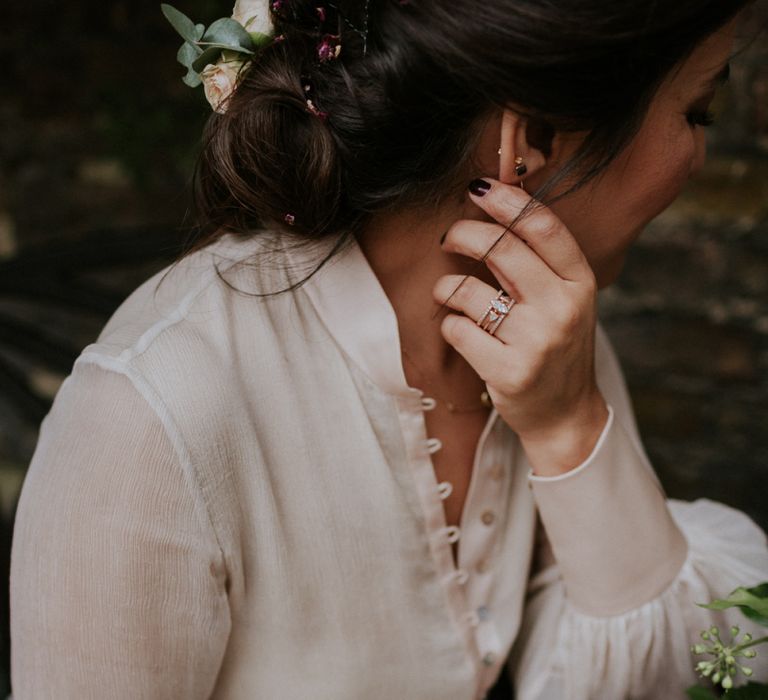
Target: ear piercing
520	168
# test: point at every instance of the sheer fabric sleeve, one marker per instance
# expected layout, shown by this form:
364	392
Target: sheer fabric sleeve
117	584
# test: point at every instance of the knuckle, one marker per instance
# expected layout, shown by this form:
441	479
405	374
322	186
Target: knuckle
590	282
544	225
570	318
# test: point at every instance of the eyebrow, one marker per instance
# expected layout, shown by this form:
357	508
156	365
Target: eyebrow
719	78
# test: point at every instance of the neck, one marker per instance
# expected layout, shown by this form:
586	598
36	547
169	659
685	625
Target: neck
404	251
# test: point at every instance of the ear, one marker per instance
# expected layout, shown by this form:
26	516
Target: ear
514	142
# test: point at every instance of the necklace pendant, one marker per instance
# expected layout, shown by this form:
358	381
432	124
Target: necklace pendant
485	399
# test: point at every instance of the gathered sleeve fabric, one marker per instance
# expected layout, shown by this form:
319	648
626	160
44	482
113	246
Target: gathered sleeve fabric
611	606
644	652
117	584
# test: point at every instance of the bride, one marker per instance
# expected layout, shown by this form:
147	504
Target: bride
367	438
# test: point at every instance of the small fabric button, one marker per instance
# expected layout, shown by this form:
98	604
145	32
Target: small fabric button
489	659
445	489
433	445
483	613
488	517
427	403
452	533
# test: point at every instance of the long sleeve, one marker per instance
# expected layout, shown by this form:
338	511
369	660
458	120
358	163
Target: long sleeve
611	610
117	585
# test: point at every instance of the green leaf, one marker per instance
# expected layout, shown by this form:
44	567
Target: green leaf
750	691
260	39
188	30
192	79
228	33
753	602
210	55
696	692
187	54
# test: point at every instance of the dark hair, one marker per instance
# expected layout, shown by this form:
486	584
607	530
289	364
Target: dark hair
404	116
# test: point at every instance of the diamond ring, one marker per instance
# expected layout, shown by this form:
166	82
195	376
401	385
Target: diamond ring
497	311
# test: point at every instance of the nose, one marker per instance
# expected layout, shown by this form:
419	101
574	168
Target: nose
700	153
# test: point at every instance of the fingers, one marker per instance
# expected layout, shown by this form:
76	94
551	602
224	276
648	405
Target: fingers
541	229
519	270
472	297
483	351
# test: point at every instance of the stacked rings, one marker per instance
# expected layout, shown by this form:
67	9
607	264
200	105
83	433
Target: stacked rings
496	312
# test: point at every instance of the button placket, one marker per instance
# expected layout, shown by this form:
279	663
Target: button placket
456	575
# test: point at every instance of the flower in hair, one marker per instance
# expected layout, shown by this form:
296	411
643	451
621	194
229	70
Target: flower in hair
219	82
329	48
214	56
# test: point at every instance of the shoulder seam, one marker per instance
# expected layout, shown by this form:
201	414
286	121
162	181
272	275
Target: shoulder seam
179	313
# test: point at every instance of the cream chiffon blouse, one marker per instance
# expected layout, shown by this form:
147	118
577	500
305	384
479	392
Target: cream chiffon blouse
233	498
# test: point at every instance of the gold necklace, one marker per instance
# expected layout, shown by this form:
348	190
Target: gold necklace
485	399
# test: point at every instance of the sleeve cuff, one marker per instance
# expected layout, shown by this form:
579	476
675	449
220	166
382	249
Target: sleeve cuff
609	526
596	450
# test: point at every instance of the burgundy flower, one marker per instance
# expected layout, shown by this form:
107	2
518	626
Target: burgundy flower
329	48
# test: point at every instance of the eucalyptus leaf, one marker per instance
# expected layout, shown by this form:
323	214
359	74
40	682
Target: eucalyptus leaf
187	54
209	55
696	692
750	691
228	32
753	602
260	39
192	78
182	24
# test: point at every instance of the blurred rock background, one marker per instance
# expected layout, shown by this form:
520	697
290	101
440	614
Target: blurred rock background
97	138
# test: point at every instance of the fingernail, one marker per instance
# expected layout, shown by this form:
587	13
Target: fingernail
479	186
442	238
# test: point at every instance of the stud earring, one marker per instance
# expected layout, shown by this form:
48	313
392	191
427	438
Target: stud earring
499	151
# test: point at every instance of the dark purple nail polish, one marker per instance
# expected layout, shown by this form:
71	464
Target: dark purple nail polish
479	186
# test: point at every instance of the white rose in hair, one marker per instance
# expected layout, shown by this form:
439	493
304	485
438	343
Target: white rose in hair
219	82
254	15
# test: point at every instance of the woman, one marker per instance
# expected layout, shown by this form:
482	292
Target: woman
277	474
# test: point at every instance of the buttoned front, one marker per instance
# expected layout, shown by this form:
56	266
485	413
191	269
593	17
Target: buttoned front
234	497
